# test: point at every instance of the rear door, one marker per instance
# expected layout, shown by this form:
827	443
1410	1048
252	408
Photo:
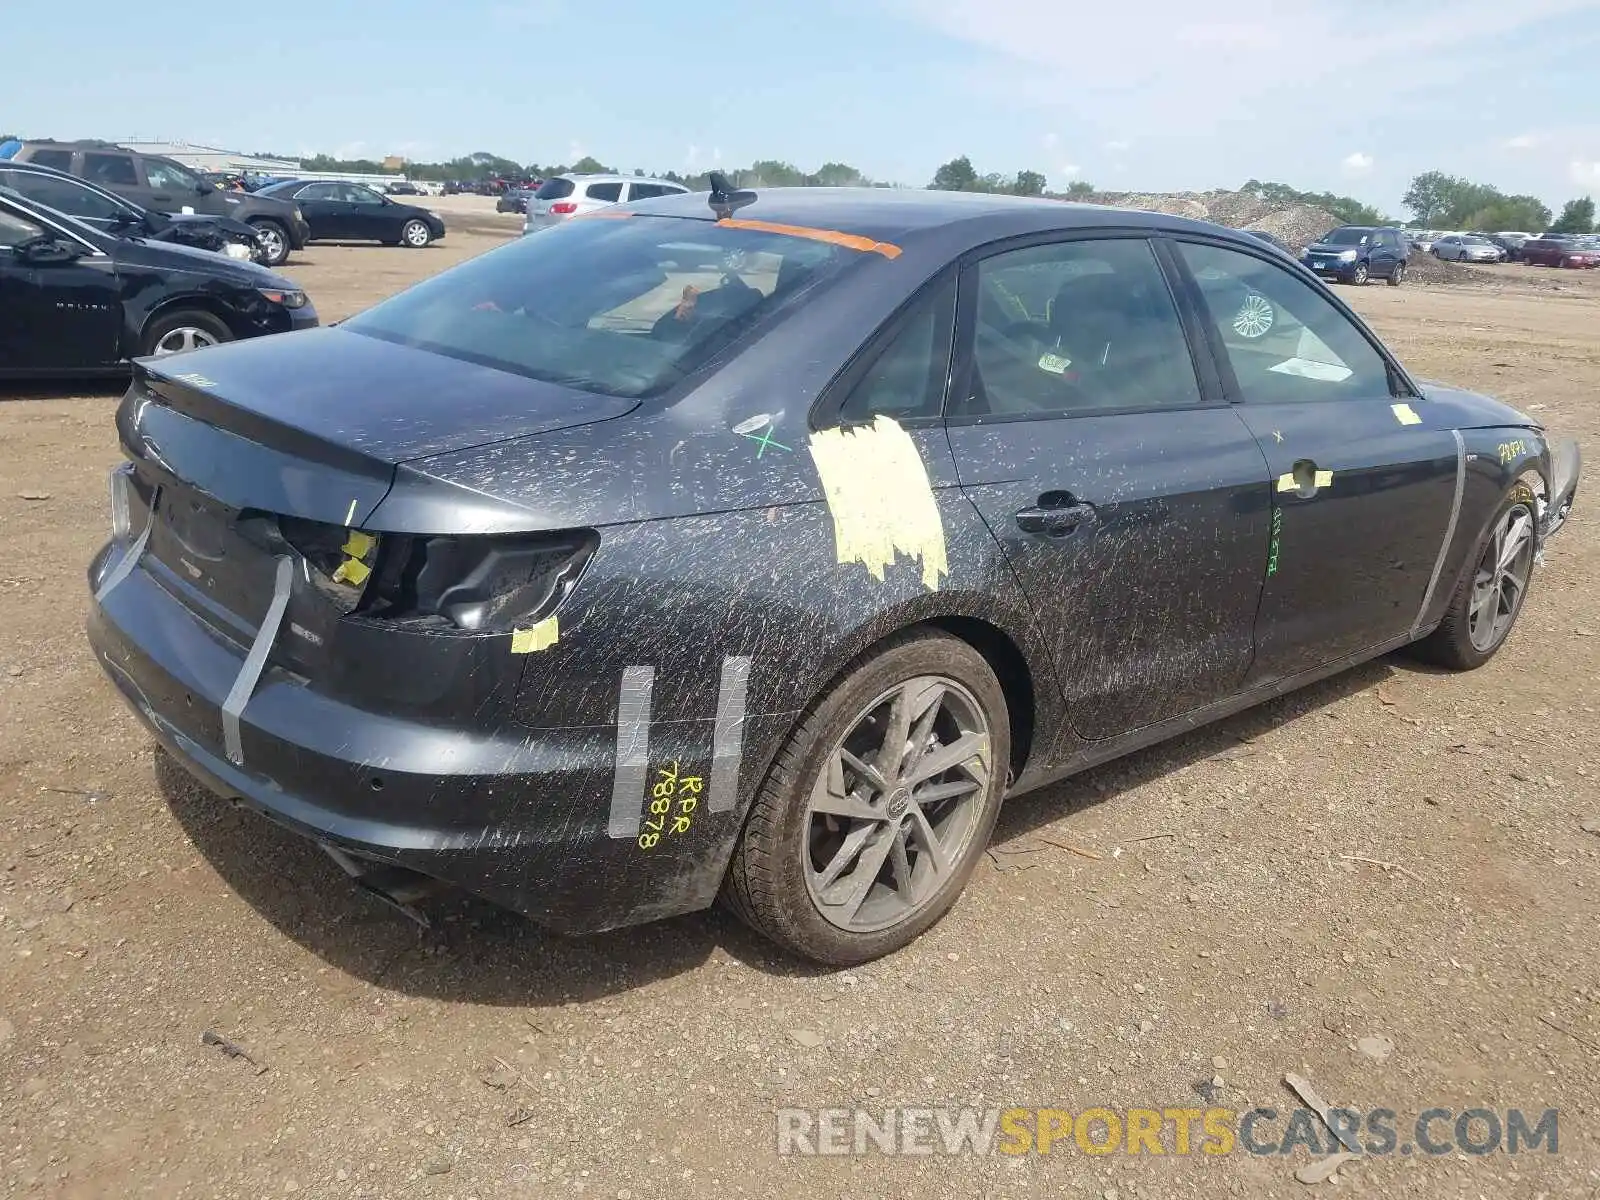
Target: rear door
114	170
319	203
1130	498
1363	485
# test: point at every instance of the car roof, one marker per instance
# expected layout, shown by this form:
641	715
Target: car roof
607	177
896	215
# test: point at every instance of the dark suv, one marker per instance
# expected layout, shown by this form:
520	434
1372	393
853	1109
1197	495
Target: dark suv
165	186
1356	253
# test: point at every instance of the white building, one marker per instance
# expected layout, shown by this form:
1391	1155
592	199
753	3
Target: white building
209	158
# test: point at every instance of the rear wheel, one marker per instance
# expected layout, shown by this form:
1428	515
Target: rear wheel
879	806
180	332
274	241
1489	599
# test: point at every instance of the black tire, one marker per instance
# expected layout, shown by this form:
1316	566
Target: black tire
766	884
415	234
276	238
1360	275
187	318
1451	645
1398	275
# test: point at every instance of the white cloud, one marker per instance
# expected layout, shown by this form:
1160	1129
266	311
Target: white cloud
1583	173
575	150
1356	163
1069	170
1050	141
1118	146
1525	141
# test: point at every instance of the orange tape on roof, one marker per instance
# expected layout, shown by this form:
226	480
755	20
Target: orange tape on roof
850	241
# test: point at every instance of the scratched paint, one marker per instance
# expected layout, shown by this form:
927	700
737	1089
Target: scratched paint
882	503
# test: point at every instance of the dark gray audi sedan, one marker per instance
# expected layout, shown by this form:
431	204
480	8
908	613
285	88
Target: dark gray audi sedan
762	544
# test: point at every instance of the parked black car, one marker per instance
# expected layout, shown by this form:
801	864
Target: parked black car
161	185
402	188
350	212
76	301
600	581
1356	253
110	213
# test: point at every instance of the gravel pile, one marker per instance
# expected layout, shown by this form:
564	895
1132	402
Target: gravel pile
1297	225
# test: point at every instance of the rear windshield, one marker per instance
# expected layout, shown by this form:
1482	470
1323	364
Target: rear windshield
620	307
1347	237
554	189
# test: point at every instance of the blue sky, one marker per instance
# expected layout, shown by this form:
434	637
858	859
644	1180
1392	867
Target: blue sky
1344	95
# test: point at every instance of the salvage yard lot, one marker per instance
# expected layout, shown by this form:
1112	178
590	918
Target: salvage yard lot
1393	854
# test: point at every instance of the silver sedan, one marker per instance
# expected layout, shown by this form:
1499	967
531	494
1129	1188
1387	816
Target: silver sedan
1468	247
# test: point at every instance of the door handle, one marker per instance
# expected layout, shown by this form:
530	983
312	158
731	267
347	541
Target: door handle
1056	518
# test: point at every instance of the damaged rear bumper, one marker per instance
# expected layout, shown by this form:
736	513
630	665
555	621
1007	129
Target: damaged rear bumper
518	815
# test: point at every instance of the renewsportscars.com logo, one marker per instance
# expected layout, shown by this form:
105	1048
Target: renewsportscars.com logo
1161	1131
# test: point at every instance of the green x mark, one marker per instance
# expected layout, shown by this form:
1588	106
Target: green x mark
764	440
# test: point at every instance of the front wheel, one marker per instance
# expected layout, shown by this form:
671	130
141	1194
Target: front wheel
1489	598
879	806
1359	275
416	234
274	242
1398	275
180	332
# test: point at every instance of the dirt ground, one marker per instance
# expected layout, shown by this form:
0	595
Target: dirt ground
1394	854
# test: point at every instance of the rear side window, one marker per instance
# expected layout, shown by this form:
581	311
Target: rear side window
1284	339
73	199
115	169
646	191
624	308
907	379
1077	327
609	192
554	189
61	160
318	191
15	229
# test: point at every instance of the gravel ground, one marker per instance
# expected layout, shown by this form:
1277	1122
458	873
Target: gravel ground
1382	883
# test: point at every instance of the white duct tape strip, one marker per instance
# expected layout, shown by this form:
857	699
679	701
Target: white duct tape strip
727	738
633	751
129	560
249	674
1449	531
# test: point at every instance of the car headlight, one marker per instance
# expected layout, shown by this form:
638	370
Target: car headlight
289	299
1348	256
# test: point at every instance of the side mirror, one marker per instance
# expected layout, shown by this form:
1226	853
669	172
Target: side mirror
47	251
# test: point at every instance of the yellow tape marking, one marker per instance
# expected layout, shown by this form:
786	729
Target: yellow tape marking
358	544
1288	483
1405	414
352	571
536	637
833	237
1323	478
880	497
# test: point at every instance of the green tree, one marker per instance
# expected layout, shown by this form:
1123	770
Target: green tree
1028	183
588	165
1347	209
1510	212
1577	216
1080	188
957	175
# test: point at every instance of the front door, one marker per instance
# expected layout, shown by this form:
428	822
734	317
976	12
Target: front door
1131	503
1363	484
54	316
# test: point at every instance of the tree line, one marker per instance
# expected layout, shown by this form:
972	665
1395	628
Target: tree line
1437	200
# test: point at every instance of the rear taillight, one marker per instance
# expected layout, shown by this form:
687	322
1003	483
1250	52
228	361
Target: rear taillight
562	208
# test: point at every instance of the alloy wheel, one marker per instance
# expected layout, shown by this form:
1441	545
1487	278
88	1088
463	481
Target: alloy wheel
183	339
416	234
273	247
1501	579
892	813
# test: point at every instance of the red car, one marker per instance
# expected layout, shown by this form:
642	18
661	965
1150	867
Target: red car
1558	251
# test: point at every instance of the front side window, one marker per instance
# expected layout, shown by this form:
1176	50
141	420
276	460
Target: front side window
15	229
169	176
361	195
113	169
1077	327
1284	339
624	308
62	195
906	380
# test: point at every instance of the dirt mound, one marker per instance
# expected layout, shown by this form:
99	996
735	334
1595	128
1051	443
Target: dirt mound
1297	225
1425	268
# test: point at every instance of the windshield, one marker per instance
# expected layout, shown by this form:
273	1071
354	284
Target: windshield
624	307
554	189
1347	237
